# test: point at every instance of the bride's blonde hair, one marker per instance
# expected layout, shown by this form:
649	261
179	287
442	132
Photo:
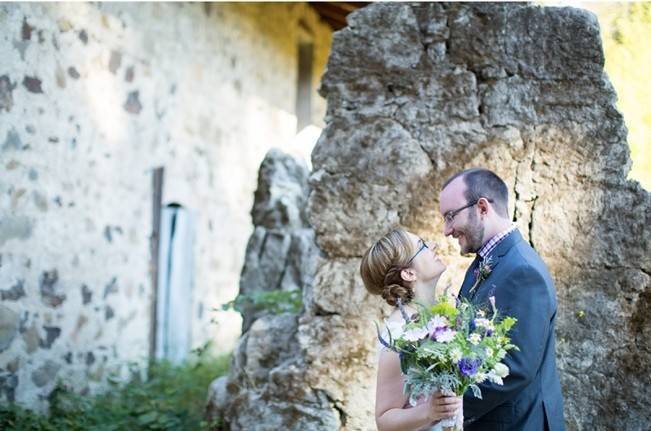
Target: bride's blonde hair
381	266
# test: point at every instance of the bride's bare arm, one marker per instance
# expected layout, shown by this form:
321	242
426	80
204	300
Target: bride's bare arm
390	400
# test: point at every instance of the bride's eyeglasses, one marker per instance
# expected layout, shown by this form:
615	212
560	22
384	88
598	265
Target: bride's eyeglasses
423	246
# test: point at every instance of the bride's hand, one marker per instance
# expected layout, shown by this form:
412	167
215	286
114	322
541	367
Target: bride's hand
441	406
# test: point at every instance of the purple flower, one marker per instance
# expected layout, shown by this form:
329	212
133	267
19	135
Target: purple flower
468	367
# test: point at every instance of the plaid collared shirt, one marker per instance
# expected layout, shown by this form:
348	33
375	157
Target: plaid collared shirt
492	243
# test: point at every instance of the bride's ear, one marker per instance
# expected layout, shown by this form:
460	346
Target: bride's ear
408	274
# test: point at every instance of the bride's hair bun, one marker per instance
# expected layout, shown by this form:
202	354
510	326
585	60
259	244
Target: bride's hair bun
394	287
392	292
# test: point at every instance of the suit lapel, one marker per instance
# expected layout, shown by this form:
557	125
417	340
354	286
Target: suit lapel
496	255
506	244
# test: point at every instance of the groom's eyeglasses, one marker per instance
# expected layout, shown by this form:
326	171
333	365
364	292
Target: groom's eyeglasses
422	247
450	215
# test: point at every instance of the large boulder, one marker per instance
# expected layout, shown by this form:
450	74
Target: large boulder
415	93
281	251
267	386
418	92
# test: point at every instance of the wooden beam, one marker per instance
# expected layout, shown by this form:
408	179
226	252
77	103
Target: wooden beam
331	13
334	13
154	244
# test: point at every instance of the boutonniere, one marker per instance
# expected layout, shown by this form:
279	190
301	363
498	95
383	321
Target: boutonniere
482	272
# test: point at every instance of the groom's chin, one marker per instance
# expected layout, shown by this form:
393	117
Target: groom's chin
468	248
466	251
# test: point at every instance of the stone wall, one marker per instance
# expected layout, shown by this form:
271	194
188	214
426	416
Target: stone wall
417	92
433	89
93	97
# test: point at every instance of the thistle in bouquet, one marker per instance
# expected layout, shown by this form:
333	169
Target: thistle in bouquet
451	347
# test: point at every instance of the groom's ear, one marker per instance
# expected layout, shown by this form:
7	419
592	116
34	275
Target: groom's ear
482	204
408	274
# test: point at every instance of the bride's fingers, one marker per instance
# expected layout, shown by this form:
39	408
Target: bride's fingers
447	407
452	406
448	400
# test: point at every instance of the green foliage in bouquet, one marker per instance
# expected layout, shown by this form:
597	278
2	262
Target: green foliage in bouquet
450	348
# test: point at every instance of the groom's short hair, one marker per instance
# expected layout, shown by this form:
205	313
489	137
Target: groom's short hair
481	182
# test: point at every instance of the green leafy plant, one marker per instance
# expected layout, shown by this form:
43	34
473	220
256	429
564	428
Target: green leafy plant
172	397
275	301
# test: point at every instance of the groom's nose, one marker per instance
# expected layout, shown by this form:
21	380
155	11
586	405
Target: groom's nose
447	230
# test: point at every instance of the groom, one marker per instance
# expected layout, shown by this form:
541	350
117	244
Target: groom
474	205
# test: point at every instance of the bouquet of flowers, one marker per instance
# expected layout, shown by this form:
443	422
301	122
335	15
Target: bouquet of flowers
450	347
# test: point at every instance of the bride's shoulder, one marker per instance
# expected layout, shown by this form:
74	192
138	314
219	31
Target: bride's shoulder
396	315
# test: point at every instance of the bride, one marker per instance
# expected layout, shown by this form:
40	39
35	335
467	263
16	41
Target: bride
402	266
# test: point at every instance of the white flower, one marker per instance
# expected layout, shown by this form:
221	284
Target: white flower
484	323
489	327
481	313
489	352
495	378
415	334
480	377
474	339
501	370
498	372
501	354
456	355
444	335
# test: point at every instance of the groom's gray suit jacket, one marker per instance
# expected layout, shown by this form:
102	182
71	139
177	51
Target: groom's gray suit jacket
530	399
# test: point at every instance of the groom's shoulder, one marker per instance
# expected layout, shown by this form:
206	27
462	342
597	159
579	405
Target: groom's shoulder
523	257
525	253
